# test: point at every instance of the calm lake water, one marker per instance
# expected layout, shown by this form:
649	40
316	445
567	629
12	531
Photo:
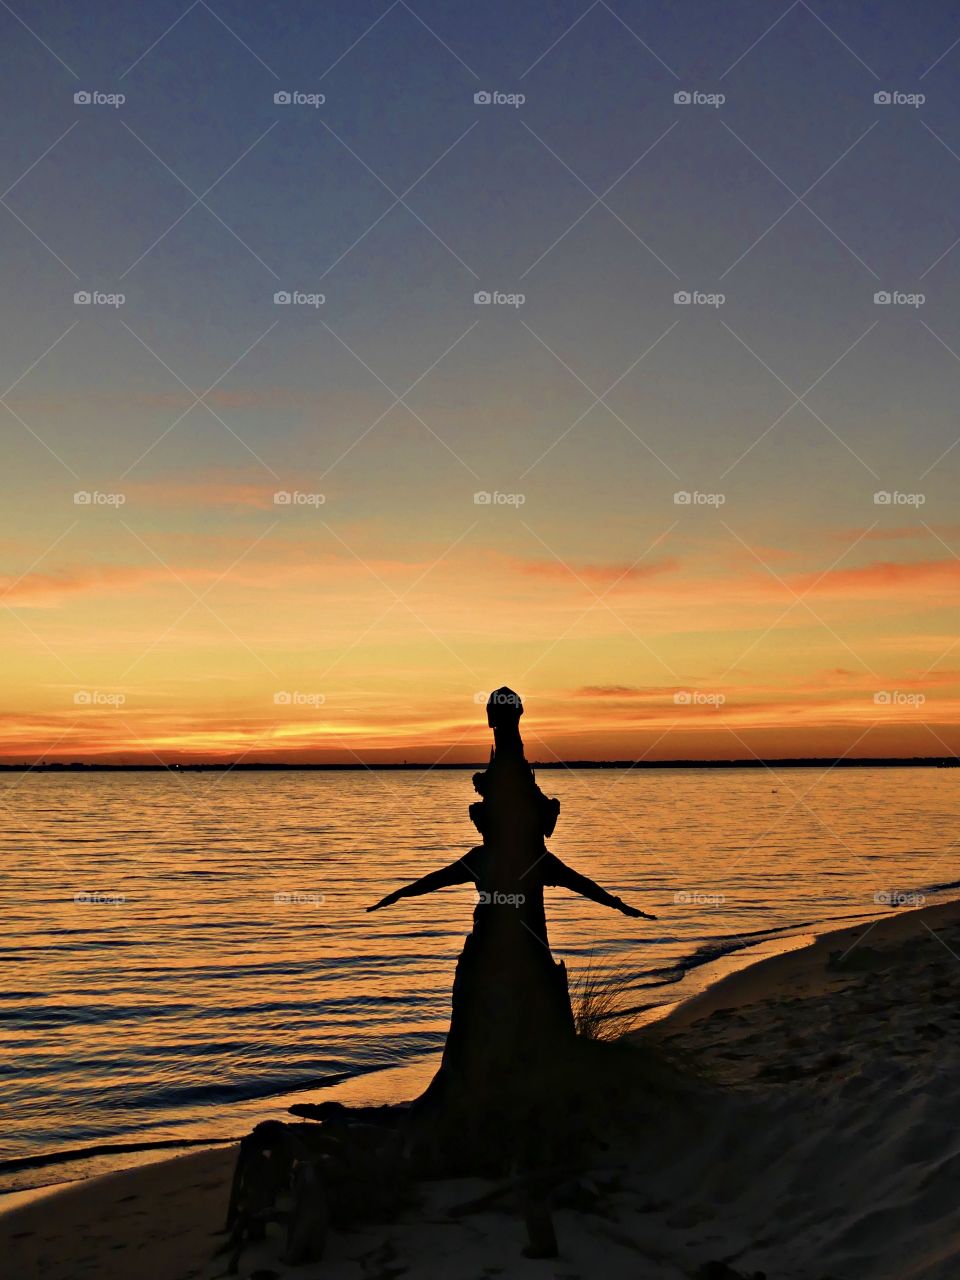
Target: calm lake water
240	967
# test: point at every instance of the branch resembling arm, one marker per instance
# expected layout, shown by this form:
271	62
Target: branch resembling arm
558	873
456	873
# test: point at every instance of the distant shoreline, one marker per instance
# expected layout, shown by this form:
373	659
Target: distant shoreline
786	762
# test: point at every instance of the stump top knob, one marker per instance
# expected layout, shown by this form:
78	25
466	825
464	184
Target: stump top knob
503	708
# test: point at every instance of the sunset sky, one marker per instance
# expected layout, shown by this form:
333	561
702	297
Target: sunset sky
183	613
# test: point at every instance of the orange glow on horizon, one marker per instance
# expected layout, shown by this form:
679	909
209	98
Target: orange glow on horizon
299	642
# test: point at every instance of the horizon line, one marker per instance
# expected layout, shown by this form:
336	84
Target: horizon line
211	766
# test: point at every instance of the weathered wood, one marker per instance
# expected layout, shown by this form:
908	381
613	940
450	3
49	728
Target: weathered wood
516	1093
512	1031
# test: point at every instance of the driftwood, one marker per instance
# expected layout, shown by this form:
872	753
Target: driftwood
329	1175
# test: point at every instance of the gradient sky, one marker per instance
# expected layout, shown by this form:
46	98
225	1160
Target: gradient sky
166	627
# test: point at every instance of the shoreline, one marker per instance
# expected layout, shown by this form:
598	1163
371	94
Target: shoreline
757	981
741	970
725	976
366	1088
377	1085
747	1022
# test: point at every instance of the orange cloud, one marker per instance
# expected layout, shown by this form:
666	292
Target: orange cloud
883	577
45	590
601	574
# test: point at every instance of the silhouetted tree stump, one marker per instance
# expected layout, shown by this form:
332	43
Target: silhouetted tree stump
516	1091
507	1060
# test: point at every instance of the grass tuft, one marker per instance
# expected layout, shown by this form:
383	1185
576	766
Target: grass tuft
599	999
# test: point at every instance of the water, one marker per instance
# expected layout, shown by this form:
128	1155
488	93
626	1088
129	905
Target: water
202	1001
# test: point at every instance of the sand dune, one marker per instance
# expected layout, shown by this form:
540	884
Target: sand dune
816	1140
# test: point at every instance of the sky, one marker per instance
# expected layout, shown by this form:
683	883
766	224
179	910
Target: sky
620	365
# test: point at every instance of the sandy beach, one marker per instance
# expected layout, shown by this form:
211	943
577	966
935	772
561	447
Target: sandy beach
811	1138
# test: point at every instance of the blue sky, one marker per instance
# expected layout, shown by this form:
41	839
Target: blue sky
797	199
